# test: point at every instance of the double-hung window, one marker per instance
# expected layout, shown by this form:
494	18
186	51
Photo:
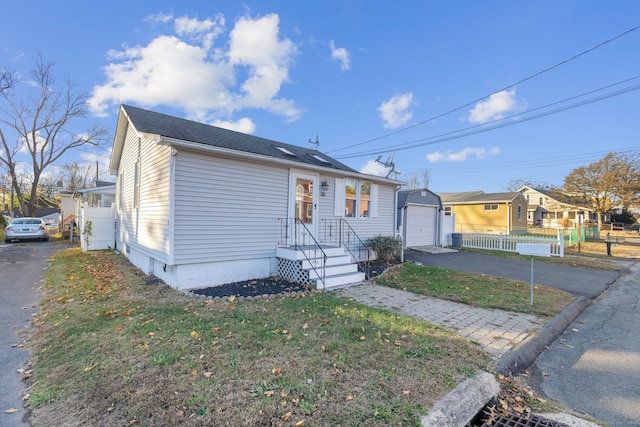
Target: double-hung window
358	199
357	202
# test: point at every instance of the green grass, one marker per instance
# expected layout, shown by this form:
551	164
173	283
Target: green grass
110	350
478	290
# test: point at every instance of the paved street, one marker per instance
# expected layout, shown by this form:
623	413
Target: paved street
21	268
595	367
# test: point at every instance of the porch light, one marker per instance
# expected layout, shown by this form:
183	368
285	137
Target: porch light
324	185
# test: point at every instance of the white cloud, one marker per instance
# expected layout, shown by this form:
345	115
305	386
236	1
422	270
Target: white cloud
188	71
102	163
244	125
374	168
494	108
396	111
255	44
341	55
461	156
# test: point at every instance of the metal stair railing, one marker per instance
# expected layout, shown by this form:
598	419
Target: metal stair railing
302	240
339	231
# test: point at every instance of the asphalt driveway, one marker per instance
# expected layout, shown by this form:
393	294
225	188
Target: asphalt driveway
579	281
22	266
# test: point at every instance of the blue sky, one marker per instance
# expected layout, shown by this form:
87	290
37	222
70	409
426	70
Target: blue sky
455	88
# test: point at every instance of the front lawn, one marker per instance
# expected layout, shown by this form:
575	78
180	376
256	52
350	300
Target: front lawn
478	290
109	349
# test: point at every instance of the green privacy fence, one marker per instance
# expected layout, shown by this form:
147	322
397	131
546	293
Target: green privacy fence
570	234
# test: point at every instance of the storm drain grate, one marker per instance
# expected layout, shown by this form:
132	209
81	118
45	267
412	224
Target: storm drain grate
522	421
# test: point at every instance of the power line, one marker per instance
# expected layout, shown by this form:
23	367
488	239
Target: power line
500	123
493	93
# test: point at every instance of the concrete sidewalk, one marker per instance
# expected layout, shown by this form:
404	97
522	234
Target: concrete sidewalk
497	331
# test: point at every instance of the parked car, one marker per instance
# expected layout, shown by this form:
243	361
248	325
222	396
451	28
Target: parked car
618	225
26	229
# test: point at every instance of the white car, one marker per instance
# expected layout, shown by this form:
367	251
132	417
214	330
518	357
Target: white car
26	229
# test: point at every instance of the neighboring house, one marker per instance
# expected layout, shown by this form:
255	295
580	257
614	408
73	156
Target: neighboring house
198	205
554	209
101	195
420	217
51	217
479	212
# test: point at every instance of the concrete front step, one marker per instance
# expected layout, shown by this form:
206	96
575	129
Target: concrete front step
340	270
331	261
340	280
288	252
332	270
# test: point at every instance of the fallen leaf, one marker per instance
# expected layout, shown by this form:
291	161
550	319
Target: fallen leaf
299	423
17	345
232	298
269	393
208	374
286	416
406	392
10	411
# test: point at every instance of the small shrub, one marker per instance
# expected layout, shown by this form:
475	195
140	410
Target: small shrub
386	247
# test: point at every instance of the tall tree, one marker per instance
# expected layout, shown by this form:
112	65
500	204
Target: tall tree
518	183
39	124
611	180
7	80
77	175
413	181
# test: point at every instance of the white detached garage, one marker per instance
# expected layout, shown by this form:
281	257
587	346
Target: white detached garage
420	218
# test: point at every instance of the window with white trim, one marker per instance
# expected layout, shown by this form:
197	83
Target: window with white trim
519	212
136	185
120	190
359	198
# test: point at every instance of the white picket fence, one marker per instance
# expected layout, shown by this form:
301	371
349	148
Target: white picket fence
500	242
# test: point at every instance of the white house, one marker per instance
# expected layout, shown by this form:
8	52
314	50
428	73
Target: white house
555	209
198	205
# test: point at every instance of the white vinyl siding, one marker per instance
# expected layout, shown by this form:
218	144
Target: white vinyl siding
146	228
227	209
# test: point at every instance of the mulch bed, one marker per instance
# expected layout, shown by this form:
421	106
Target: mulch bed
270	286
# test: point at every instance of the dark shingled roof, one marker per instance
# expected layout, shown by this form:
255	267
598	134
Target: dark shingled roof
187	130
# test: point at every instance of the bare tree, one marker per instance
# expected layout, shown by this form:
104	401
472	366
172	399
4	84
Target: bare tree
413	181
518	183
426	178
77	175
7	80
42	127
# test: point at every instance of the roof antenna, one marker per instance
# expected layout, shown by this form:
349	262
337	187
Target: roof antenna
316	142
389	164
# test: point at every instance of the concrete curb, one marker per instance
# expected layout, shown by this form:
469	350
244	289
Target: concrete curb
462	404
521	357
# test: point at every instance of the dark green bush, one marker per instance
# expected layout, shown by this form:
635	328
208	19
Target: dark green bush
385	246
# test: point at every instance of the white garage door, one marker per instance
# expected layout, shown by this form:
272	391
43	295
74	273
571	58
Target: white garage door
421	225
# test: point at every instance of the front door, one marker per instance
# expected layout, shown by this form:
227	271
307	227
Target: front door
302	206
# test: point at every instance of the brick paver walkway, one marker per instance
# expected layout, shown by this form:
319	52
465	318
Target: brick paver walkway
497	331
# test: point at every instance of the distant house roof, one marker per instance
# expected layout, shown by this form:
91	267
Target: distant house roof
162	127
42	212
475	197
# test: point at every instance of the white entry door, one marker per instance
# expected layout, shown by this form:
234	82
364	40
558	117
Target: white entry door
303	206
